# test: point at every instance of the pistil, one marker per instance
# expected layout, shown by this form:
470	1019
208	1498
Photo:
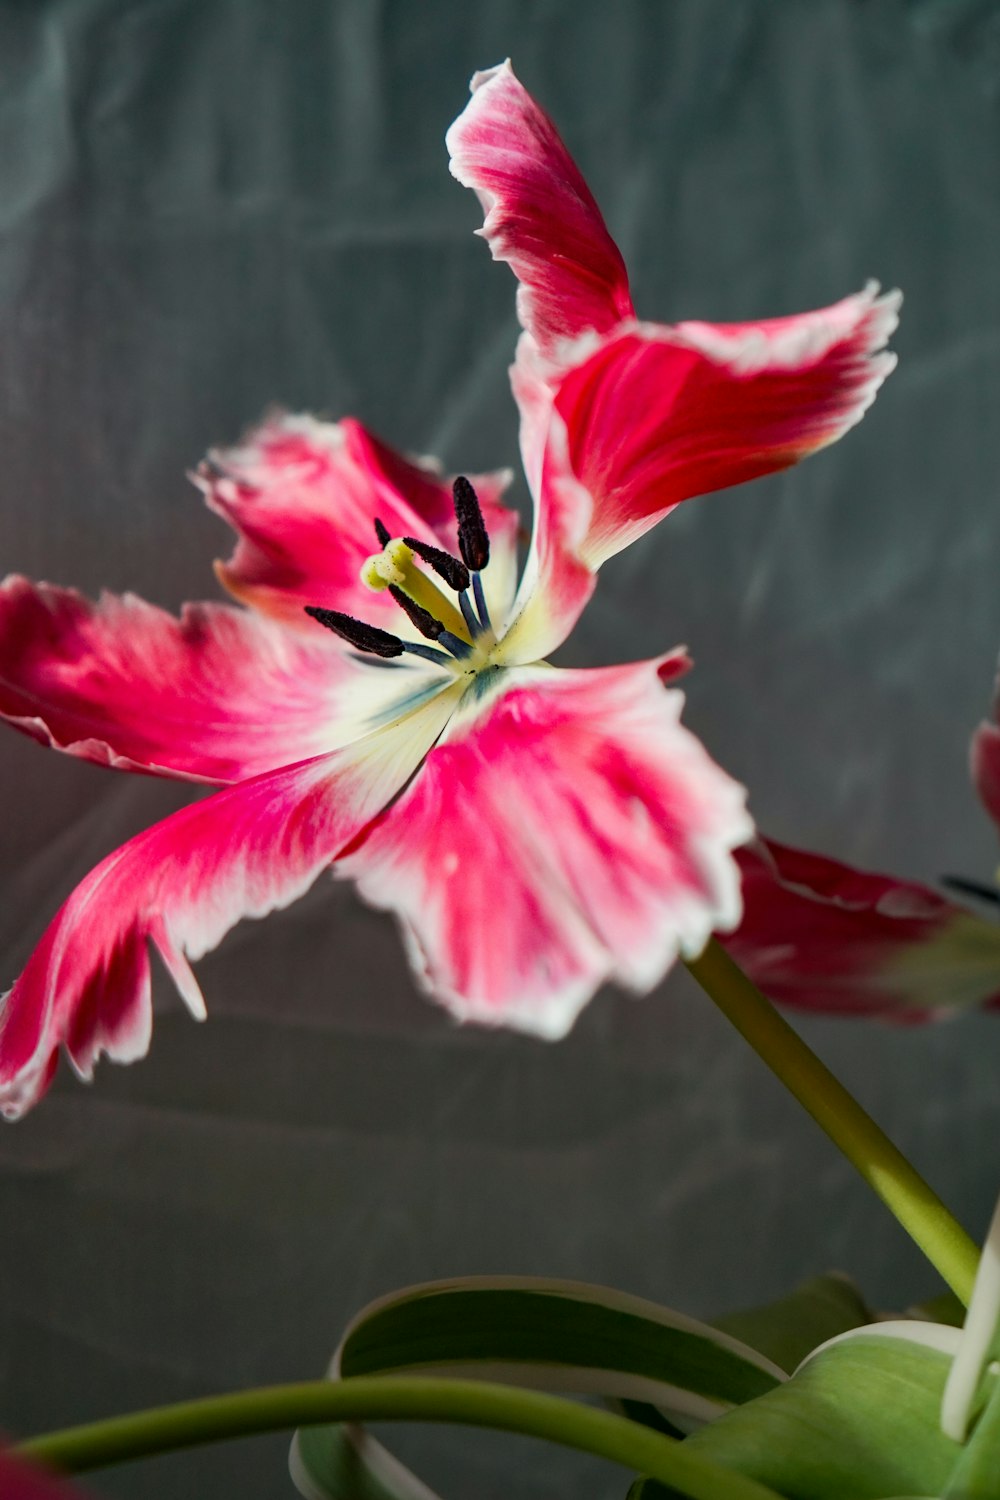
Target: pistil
394	566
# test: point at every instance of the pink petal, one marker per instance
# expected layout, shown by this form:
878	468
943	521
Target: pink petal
540	216
303	496
219	695
20	1480
567	830
557	583
985	761
819	935
181	886
652	415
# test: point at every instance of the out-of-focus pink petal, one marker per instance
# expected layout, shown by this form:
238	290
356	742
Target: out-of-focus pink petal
985	763
653	415
219	695
181	886
540	216
20	1480
565	831
821	936
303	496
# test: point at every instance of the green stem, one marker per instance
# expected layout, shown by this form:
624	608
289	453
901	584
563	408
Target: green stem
903	1191
368	1398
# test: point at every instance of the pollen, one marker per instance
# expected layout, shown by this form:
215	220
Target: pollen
396	567
381	569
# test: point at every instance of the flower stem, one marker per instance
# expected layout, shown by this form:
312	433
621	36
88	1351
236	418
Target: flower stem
386	1398
903	1191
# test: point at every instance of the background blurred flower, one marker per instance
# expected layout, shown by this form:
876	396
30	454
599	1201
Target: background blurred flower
821	935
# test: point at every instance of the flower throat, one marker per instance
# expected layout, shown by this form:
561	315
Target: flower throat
461	632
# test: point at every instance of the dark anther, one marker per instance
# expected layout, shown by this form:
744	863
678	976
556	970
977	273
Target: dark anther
422	618
363	637
473	541
454	573
382	532
988	893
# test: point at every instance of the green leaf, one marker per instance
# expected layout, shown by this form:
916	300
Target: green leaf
561	1335
787	1330
555	1335
976	1475
945	1308
859	1421
346	1463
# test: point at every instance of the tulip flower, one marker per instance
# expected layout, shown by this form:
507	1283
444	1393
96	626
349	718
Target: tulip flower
819	935
382	703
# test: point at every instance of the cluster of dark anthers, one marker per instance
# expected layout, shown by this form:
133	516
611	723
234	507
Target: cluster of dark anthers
459	573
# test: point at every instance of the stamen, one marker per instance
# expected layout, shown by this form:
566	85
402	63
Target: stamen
380	570
395	565
382	532
454	573
470	614
429	653
422	618
459	649
484	614
975	888
361	636
473	540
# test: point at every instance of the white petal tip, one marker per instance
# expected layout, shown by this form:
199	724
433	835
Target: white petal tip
484	76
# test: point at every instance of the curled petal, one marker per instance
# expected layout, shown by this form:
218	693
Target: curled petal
218	695
540	216
303	495
567	830
652	415
656	415
181	886
821	936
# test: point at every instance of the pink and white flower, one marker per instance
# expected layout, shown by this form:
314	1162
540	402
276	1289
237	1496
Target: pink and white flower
819	935
538	831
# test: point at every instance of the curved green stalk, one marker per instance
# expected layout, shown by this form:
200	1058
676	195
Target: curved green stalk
370	1398
903	1191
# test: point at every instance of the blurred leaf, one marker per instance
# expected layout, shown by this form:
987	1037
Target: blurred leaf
859	1421
789	1329
976	1475
555	1335
345	1463
945	1309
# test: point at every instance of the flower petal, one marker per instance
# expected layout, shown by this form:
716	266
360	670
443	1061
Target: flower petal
985	762
303	496
181	886
652	415
656	414
219	695
540	216
20	1480
819	935
566	830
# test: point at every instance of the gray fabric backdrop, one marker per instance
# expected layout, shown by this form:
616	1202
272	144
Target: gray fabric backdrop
206	208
